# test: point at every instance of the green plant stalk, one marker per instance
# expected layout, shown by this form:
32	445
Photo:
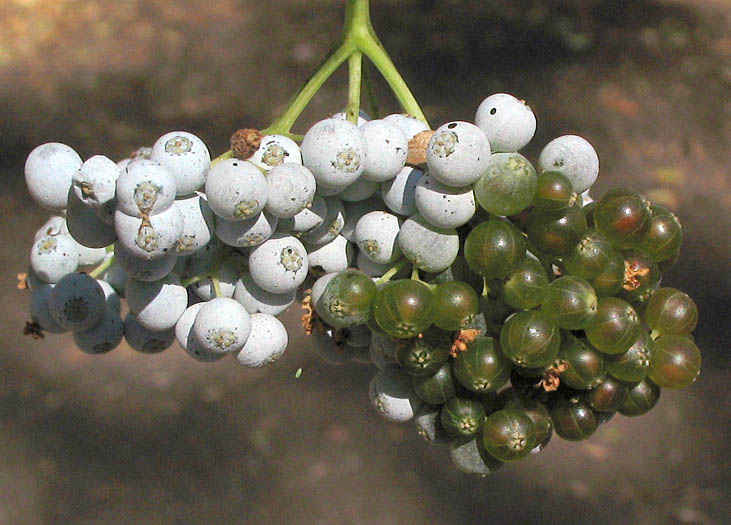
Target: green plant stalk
485	287
396	268
415	277
355	74
192	280
358	37
103	266
370	94
216	285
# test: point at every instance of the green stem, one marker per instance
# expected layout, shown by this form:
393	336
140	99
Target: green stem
299	102
376	54
358	27
485	287
103	266
216	286
415	273
415	277
355	74
396	268
370	93
192	280
359	38
223	156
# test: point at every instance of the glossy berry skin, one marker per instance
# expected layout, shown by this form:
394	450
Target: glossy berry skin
404	308
554	192
675	363
530	339
609	282
665	235
508	185
570	302
455	303
607	396
556	233
494	248
642	276
640	398
438	388
573	419
670	311
615	327
509	434
462	417
634	364
590	257
623	216
526	287
540	416
482	367
586	366
347	299
423	356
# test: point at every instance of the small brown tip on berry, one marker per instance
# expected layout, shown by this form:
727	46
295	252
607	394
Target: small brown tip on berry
245	142
417	148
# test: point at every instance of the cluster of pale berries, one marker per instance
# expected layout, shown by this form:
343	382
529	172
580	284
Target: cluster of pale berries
172	220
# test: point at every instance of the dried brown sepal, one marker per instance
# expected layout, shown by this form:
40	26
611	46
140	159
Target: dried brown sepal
464	337
632	274
34	330
245	142
22	281
417	148
308	317
551	377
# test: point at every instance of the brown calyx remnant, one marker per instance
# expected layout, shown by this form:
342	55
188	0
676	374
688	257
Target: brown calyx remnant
308	318
464	337
417	148
551	377
245	142
632	273
34	330
22	281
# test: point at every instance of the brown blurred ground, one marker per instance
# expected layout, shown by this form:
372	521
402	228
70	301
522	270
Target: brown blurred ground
126	438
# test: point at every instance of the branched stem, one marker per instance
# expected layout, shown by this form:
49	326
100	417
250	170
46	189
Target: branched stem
415	277
358	39
299	102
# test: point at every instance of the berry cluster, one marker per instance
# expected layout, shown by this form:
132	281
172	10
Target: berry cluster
444	258
515	274
517	278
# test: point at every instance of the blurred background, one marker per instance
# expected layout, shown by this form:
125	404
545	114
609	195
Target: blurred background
131	438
